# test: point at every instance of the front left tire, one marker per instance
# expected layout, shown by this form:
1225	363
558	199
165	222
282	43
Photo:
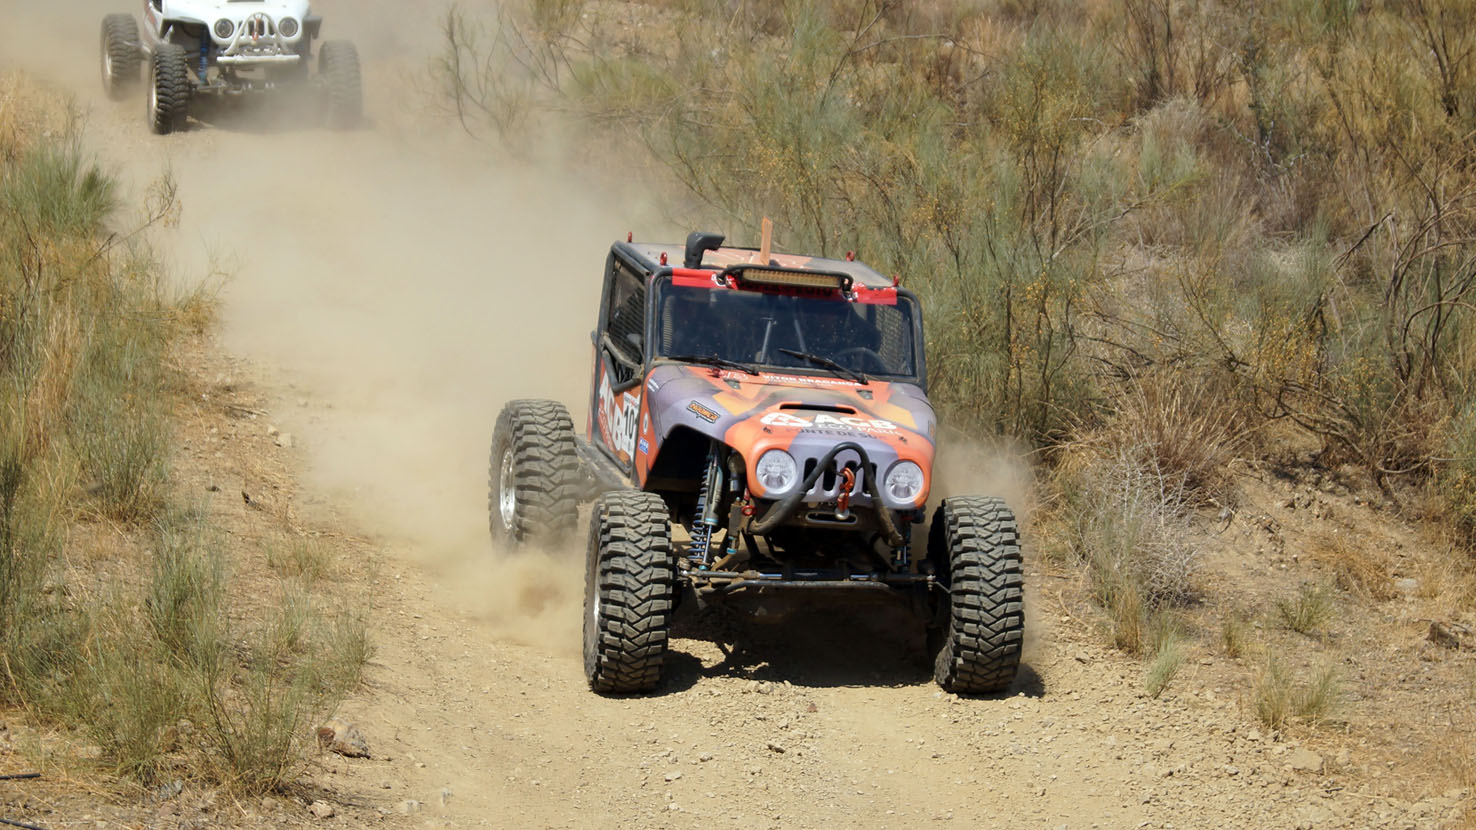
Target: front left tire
533	475
976	542
169	94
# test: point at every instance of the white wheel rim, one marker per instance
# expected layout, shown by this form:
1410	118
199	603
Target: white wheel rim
107	68
507	494
154	99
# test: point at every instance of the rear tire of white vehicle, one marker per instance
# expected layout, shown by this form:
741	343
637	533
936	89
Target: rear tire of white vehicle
338	64
120	55
169	94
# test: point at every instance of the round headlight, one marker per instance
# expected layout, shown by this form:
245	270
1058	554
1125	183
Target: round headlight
287	27
777	473
224	28
905	482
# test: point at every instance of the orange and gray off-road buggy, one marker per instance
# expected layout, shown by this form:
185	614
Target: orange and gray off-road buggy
774	410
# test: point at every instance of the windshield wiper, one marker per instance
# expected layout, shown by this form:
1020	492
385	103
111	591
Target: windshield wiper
821	360
708	360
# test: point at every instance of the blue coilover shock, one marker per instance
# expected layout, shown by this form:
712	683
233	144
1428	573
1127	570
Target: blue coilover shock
204	56
707	509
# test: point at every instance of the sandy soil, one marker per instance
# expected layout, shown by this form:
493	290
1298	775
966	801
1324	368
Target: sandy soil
386	290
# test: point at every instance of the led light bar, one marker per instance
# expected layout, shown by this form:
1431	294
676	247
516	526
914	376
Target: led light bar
786	278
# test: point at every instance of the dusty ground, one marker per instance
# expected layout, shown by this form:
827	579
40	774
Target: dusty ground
388	288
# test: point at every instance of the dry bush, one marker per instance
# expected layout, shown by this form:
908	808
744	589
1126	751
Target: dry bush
1455	479
1129	524
1309	611
1182	428
260	704
1361	571
1134	521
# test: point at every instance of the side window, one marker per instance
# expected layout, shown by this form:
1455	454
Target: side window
625	317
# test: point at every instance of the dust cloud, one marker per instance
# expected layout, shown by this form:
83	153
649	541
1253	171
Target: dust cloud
403	280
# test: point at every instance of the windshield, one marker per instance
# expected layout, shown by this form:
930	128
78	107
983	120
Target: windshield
807	333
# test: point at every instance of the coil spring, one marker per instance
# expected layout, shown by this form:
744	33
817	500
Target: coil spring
204	55
706	521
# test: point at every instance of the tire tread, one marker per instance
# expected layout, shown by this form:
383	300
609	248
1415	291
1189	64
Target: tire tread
633	569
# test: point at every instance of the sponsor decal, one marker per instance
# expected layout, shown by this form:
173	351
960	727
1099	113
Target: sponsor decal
825	420
793	379
619	417
702	412
644	446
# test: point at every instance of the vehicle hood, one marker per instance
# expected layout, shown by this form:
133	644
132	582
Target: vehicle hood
801	414
209	11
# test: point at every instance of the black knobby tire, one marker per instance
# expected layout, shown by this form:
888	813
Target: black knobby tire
338	64
533	476
629	592
170	93
120	55
984	623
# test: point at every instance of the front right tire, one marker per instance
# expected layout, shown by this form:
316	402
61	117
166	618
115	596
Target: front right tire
629	592
169	94
338	65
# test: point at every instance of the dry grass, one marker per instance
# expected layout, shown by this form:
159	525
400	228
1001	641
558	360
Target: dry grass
1309	611
308	560
1168	656
1280	697
1235	635
1182	427
1447	580
1361	571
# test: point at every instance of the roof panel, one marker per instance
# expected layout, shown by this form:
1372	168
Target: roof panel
860	273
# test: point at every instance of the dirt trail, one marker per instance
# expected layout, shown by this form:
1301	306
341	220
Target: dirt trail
400	283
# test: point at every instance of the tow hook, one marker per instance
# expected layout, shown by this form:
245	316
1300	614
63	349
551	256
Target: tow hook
843	504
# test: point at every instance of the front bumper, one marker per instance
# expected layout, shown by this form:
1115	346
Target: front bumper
810	491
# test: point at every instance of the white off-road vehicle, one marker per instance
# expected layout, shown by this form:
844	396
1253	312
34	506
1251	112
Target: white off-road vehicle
191	48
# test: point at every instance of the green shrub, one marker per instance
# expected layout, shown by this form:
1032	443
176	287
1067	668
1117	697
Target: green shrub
53	190
292	674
